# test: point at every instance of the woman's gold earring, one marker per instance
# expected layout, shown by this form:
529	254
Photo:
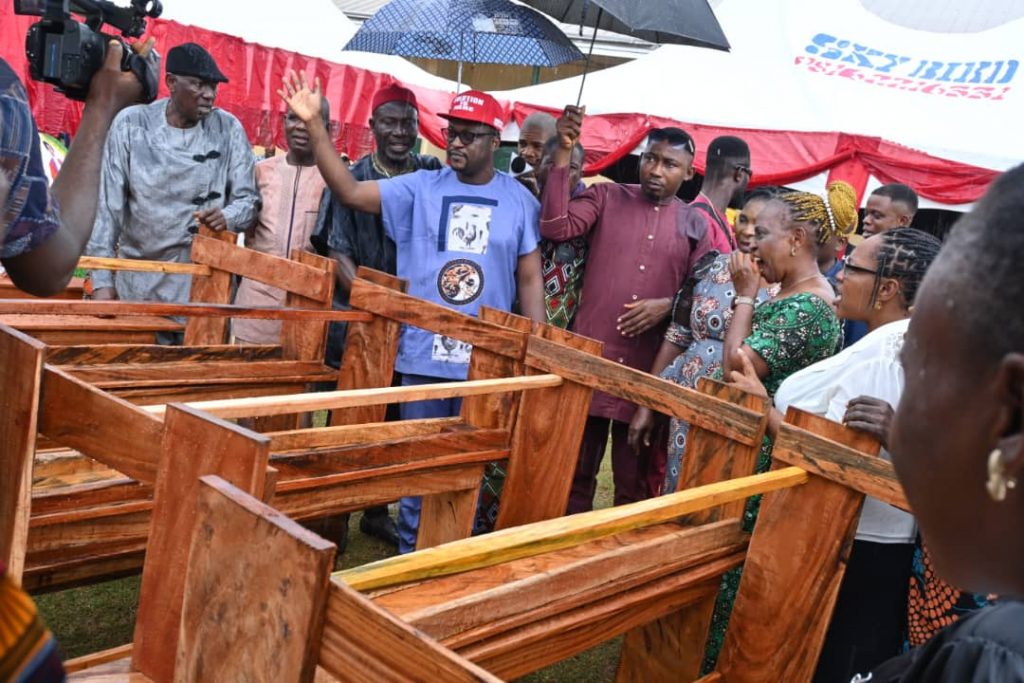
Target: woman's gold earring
998	483
792	251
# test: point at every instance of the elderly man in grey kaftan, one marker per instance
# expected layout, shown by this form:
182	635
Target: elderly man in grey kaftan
167	167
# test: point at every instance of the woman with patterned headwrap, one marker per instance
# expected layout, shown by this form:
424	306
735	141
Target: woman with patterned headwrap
794	329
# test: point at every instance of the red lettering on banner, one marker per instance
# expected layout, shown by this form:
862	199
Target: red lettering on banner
871	77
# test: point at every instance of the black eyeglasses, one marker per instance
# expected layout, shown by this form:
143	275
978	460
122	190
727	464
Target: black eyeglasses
857	269
746	169
466	137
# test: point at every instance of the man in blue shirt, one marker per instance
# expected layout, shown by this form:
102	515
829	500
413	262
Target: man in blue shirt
466	236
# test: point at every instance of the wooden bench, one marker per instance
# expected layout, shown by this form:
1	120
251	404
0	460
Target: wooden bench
502	605
94	482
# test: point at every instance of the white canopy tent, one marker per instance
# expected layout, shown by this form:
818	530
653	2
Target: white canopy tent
950	88
315	28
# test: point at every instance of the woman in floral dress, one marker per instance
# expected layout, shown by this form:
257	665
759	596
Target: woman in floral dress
796	328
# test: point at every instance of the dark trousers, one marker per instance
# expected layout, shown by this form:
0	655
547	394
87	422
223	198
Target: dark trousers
631	472
869	622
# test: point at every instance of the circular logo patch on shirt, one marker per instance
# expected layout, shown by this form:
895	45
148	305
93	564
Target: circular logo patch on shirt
460	282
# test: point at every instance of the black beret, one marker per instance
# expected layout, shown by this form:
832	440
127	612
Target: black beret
189	59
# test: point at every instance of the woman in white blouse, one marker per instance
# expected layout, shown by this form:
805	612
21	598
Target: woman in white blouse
858	387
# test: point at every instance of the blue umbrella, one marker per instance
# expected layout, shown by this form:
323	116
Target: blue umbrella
475	31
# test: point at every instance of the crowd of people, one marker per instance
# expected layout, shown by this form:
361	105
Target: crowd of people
798	301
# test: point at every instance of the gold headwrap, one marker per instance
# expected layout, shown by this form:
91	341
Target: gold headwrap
835	216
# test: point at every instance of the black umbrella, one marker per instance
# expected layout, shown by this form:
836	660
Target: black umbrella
680	22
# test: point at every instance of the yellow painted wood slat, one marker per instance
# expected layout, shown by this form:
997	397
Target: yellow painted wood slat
563	532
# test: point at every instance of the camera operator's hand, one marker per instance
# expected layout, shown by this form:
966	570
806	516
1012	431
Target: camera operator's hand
46	270
212	218
111	87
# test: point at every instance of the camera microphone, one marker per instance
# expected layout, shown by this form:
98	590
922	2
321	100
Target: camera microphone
519	166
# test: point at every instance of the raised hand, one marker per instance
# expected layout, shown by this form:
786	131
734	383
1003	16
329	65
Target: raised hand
569	125
303	100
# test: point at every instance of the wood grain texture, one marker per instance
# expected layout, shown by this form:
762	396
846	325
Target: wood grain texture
369	357
287	274
359	490
348	460
547	641
477	605
871	476
403	308
255	592
546	442
664	650
212	289
69	313
21	365
347	435
102	426
110	375
148	396
157	353
307	340
40	324
193	445
643	389
333	400
495	410
362	643
794	566
447	516
565	532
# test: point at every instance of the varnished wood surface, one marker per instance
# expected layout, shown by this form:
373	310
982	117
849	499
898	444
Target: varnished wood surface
565	532
332	400
21	363
255	593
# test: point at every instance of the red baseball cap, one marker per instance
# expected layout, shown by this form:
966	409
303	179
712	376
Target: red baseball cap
476	106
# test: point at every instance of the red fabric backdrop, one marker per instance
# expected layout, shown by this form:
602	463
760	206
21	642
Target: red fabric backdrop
255	73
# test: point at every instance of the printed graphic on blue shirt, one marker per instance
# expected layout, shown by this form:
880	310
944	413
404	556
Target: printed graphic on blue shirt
460	282
469	227
458	245
448	350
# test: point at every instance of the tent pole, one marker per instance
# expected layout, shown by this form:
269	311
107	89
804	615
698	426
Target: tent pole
586	66
458	85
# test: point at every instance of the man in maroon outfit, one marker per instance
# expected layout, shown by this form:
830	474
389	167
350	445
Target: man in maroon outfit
643	243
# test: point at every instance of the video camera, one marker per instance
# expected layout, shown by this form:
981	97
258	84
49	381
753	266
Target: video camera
66	53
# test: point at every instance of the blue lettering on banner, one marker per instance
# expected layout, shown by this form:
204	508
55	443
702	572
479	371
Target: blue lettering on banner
849	59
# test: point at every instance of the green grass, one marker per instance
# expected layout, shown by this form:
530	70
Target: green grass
102	616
